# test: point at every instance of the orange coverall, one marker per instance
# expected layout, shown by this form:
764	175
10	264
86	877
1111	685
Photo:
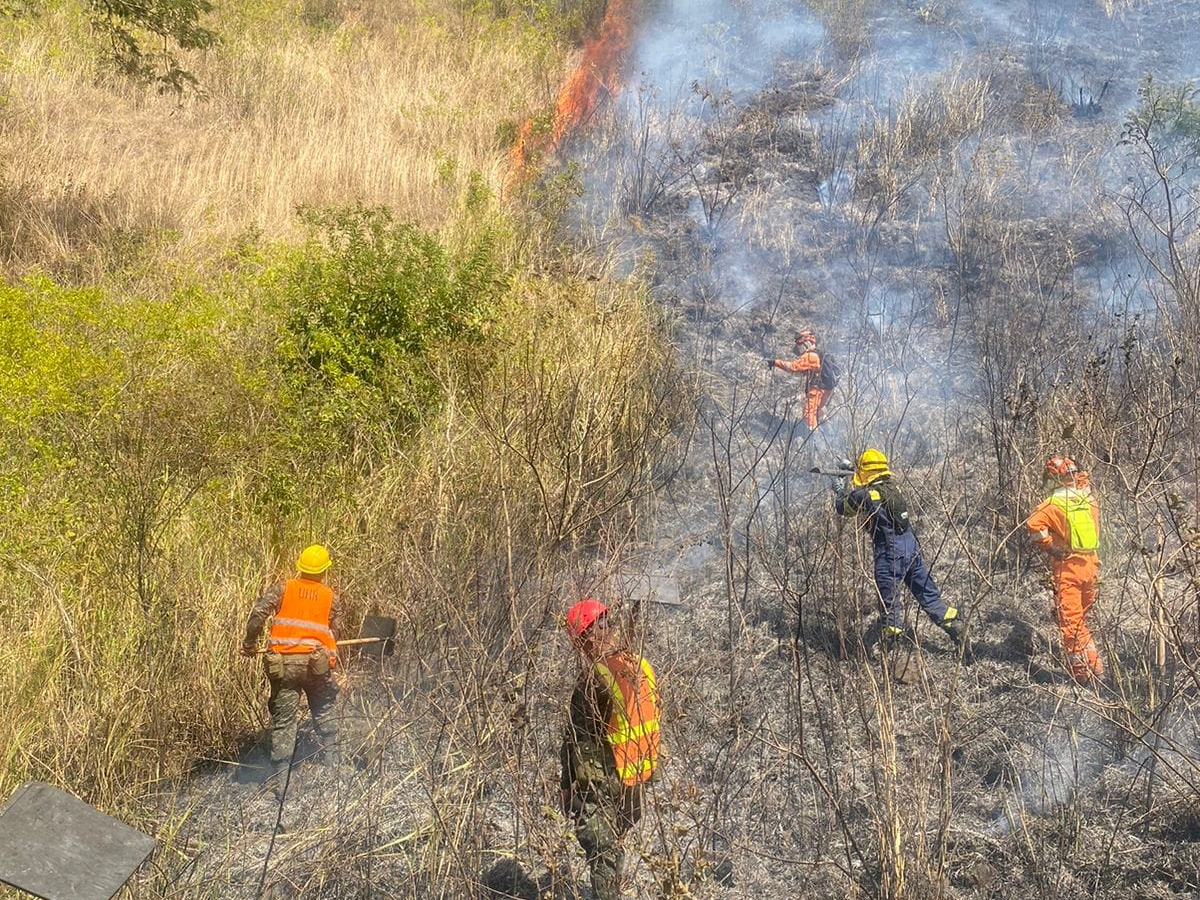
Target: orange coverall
815	396
1074	574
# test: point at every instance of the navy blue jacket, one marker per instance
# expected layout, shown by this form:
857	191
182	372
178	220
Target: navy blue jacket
890	543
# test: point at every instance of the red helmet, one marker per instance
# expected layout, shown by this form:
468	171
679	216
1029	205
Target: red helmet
583	615
1061	468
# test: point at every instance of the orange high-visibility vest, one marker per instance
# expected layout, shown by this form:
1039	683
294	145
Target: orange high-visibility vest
302	622
632	729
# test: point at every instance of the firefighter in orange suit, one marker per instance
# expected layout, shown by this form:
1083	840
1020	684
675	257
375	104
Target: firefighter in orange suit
809	365
1066	527
301	653
611	745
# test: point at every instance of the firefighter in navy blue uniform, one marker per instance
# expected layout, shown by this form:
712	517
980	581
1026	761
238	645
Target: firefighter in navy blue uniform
898	559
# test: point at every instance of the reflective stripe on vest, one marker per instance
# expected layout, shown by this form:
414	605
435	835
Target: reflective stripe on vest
302	622
632	731
1077	508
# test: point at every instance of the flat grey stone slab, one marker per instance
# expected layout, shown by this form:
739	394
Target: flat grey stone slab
56	847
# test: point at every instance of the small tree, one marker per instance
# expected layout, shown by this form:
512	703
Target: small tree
145	37
1162	205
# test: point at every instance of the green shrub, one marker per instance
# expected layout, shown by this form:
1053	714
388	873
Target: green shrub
369	303
1166	117
132	427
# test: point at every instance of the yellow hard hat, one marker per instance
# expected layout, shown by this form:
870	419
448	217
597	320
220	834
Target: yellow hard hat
314	560
872	464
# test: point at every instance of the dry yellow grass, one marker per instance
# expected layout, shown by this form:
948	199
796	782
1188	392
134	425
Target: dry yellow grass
386	108
108	693
540	443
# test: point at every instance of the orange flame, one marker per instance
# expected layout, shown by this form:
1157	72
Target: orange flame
597	73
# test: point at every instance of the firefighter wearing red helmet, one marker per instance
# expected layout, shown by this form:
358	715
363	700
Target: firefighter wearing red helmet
1066	528
611	745
820	376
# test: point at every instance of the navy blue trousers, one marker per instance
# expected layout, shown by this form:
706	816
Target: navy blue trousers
897	570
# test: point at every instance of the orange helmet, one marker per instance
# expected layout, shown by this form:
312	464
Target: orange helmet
806	337
1060	468
583	615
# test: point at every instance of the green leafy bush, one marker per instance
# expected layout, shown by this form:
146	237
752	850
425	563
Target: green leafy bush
132	427
1166	117
114	401
369	304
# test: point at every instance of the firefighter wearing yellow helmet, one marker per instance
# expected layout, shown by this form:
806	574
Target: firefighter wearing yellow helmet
874	497
301	653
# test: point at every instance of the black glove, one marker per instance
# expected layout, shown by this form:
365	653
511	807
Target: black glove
770	363
839	489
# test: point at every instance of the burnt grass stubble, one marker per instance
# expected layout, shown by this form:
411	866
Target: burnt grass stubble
961	246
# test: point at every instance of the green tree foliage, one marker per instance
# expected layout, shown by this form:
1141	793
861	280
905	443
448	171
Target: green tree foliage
117	411
1166	120
145	36
370	305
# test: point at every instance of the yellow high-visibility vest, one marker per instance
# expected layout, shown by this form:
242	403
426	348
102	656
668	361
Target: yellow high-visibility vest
1081	523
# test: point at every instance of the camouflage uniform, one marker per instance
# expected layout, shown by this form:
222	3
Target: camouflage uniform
603	808
291	674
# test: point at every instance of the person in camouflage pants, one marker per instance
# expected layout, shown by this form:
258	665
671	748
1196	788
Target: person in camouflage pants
603	806
293	677
301	650
603	811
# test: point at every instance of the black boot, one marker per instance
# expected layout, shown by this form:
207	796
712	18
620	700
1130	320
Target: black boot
890	640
